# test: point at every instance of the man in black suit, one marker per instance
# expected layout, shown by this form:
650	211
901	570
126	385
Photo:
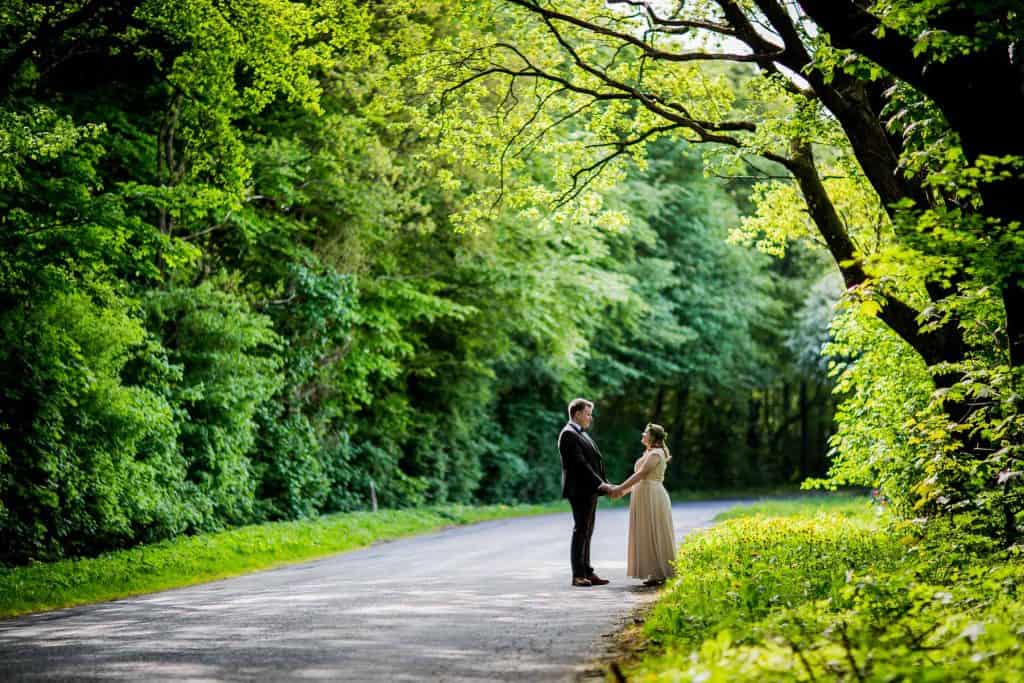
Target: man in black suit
583	480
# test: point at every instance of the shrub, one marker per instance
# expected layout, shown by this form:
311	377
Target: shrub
825	596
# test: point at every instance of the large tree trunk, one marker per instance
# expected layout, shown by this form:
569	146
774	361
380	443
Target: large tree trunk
713	464
943	345
987	110
981	95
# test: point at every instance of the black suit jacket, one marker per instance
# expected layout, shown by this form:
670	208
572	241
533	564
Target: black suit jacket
582	466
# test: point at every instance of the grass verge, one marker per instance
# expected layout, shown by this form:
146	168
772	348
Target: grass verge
817	589
206	557
805	505
711	495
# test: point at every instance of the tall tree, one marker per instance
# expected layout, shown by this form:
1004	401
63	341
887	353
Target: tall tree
833	94
626	58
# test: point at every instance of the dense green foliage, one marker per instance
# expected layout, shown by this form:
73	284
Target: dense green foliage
793	592
207	557
885	134
250	268
717	357
258	259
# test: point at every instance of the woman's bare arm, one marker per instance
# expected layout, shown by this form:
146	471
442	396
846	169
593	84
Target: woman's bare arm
647	464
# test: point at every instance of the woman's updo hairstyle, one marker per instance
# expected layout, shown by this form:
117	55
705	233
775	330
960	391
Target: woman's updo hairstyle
658	436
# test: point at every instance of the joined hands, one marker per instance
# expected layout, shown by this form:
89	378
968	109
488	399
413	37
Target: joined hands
613	492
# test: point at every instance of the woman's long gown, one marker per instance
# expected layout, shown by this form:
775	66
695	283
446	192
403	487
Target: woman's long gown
652	540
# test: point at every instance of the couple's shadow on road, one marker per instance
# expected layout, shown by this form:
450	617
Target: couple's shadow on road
630	588
637	588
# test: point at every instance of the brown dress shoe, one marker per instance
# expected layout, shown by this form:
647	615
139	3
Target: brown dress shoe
596	580
581	582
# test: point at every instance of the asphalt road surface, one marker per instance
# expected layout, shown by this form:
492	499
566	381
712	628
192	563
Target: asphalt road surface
486	602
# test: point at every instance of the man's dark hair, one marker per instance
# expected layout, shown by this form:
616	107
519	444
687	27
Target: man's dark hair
578	404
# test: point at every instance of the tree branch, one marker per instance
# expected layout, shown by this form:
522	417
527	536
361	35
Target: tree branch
650	101
676	23
793	57
594	170
942	345
648	49
511	141
852	27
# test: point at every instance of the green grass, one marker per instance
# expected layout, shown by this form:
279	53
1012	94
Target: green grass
841	504
196	559
729	494
699	495
207	557
830	589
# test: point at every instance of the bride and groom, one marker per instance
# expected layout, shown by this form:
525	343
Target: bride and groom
651	545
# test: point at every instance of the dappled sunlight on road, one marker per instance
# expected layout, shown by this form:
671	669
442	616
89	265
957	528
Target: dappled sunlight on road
486	602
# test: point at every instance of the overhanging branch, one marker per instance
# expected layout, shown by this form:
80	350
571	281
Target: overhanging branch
551	15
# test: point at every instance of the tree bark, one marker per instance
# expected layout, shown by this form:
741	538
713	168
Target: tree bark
942	345
981	95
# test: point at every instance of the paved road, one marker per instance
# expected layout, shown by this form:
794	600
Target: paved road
486	602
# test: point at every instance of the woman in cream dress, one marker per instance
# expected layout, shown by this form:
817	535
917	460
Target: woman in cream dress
652	540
